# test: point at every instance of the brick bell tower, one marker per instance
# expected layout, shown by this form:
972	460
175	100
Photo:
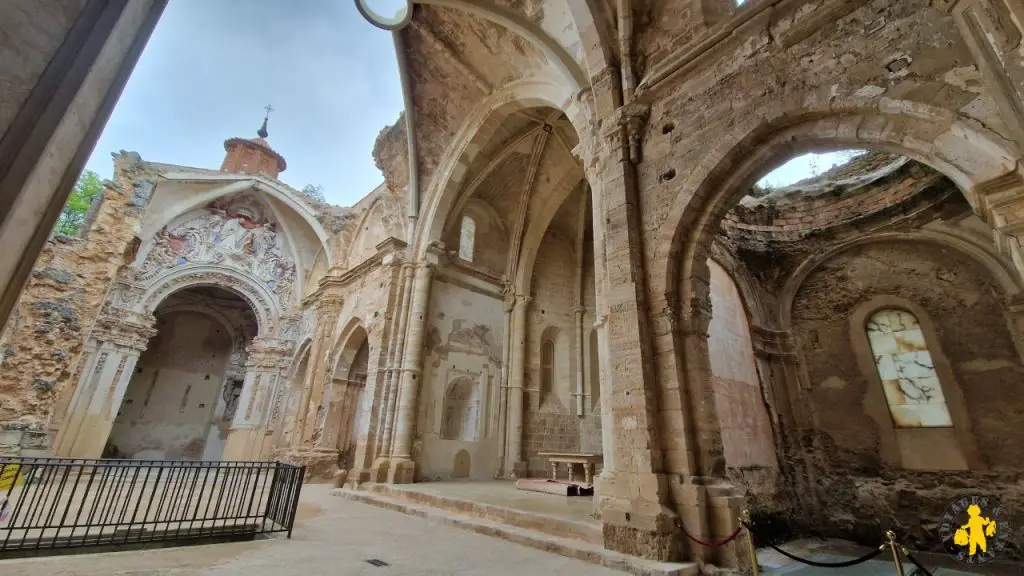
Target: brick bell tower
253	156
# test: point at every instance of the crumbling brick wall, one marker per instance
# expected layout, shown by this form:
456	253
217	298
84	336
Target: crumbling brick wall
862	496
41	349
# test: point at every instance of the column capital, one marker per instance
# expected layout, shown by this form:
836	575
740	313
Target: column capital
263	357
121	332
600	320
579	310
523	300
328	303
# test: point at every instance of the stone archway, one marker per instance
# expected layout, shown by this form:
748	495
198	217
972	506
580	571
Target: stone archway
970	156
344	397
184	394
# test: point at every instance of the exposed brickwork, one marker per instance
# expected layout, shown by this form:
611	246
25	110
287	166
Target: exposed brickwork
42	347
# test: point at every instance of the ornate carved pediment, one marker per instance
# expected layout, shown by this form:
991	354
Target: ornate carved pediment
235	232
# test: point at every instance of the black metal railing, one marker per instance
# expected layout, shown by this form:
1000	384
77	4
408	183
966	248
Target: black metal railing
48	503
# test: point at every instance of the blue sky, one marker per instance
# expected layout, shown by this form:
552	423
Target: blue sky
212	65
804	166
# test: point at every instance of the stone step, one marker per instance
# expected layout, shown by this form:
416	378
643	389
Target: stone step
538	522
577	549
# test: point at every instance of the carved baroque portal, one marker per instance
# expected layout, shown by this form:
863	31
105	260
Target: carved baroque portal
229	231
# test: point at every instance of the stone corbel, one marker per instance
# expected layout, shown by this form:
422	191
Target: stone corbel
632	117
436	254
523	300
770	343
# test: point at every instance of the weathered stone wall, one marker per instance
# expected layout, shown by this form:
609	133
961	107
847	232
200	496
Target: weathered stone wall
862	496
41	351
784	67
550	423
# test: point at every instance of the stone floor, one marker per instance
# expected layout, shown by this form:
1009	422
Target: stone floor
333	537
505	494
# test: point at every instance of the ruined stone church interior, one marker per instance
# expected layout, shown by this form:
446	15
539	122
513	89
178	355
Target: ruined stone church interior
573	269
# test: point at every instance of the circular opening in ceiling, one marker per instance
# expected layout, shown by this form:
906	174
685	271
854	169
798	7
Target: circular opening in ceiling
386	14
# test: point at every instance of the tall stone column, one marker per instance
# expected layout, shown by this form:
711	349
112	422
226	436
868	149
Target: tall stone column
605	479
115	348
580	345
514	461
382	464
266	365
402	468
506	352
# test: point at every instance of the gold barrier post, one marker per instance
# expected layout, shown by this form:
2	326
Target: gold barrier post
895	552
745	519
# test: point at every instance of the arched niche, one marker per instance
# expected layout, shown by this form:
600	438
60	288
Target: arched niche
461	410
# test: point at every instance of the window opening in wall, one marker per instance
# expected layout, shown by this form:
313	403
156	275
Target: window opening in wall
907	371
547	366
467	238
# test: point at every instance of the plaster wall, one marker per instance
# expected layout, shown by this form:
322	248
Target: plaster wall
168	408
747	439
465	331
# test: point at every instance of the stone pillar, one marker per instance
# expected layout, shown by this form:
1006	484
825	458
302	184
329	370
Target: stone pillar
113	351
396	356
604	482
402	468
506	351
328	308
636	506
514	462
580	344
266	365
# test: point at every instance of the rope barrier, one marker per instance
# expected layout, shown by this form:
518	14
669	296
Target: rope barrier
920	567
718	544
846	563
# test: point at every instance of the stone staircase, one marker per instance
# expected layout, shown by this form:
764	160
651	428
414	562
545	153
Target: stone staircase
573	539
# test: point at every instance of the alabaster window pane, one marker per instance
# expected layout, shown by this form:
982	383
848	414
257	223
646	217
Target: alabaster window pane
467	239
921	416
907	371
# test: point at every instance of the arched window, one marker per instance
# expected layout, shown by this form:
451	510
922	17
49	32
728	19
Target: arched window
467	238
547	366
906	369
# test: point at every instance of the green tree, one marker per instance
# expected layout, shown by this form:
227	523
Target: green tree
314	191
87	189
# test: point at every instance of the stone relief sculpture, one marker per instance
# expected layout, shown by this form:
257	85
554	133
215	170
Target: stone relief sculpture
231	231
